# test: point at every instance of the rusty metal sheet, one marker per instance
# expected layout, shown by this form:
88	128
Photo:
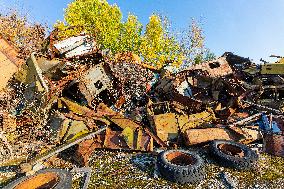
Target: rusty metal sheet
144	141
116	117
123	122
87	147
72	129
216	68
198	136
194	120
9	62
10	52
32	75
114	140
166	126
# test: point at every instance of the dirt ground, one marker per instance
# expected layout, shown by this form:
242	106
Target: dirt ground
132	170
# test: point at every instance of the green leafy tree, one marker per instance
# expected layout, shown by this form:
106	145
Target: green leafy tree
192	45
96	17
130	35
158	47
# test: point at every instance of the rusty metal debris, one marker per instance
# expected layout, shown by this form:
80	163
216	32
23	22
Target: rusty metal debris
72	95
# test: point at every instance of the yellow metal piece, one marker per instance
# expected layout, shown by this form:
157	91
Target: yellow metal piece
274	68
252	70
74	107
77	135
71	129
192	121
166	126
128	135
281	61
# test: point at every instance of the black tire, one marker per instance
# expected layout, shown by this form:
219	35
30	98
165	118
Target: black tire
232	154
181	166
64	179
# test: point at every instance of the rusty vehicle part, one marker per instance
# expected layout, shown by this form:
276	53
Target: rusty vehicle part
95	81
46	178
272	96
181	166
232	154
216	68
128	139
166	127
237	63
114	140
72	129
168	88
81	113
249	133
276	68
186	122
224	113
156	138
75	107
56	87
64	129
123	122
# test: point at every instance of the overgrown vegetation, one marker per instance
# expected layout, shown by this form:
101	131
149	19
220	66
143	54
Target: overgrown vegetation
156	45
27	37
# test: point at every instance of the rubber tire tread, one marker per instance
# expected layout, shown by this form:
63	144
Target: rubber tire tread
65	179
240	163
190	174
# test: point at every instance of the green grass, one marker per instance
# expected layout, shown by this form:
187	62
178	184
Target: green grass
112	169
112	172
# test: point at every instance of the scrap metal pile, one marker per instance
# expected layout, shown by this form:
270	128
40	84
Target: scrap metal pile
72	94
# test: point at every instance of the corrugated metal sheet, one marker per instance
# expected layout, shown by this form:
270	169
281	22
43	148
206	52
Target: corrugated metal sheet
76	46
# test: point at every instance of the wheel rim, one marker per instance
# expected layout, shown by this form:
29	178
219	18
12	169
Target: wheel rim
180	158
231	150
42	180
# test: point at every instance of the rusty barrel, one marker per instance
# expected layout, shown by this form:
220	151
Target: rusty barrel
273	143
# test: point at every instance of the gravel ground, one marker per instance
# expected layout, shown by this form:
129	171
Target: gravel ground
136	170
118	169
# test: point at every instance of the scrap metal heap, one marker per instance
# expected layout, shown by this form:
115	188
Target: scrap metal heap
62	96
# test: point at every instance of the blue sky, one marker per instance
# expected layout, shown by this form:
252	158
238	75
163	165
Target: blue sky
250	28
